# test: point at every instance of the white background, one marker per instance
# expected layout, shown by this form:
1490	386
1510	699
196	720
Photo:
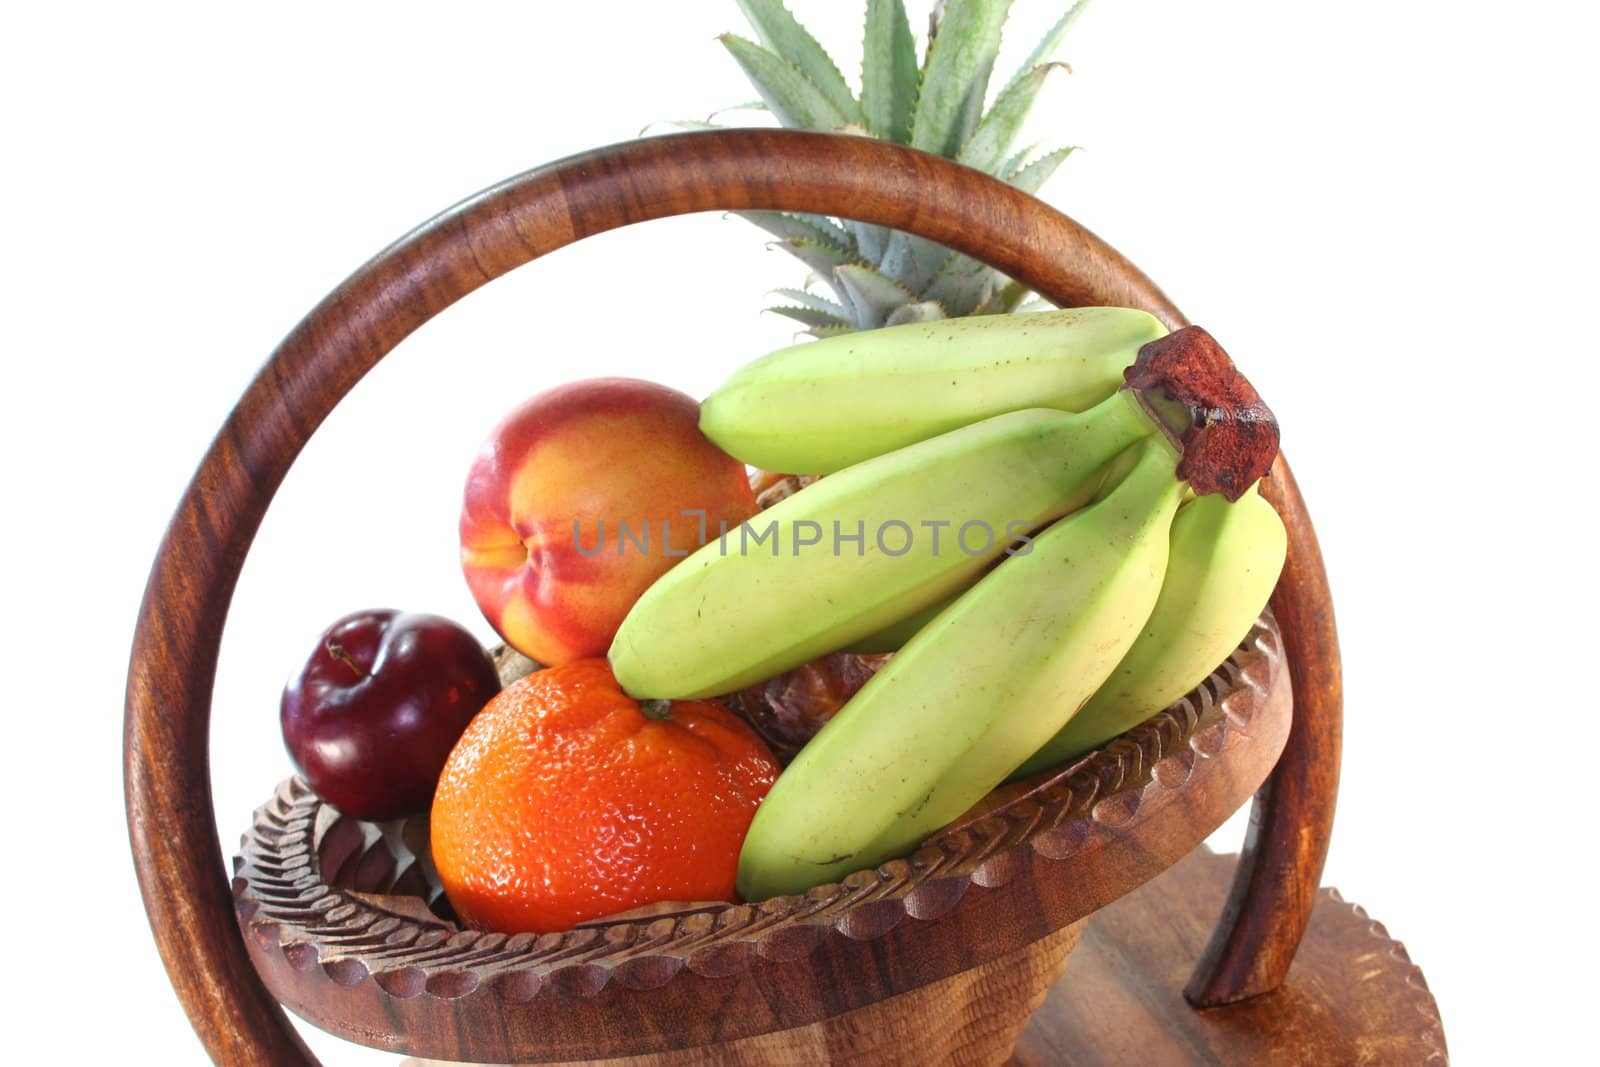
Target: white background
1385	211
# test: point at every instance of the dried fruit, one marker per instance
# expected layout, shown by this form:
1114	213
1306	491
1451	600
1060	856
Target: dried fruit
788	710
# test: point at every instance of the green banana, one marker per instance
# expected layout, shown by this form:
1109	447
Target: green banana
1224	562
819	407
973	693
894	636
780	591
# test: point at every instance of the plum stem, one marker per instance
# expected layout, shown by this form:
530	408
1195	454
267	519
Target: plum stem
340	653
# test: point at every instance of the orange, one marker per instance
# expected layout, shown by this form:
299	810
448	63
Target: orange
565	800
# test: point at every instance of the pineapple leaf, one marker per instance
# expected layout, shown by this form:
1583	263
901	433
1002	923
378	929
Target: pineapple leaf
1004	299
888	71
842	236
793	97
1035	174
783	34
912	261
809	227
1015	161
822	258
708	123
1046	48
871	240
962	284
1013	294
879	276
748	105
986	149
680	125
926	311
873	296
955	76
814	302
810	317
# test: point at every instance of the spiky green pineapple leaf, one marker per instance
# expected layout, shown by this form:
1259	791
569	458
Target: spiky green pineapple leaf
748	105
986	149
872	296
882	276
821	258
708	123
924	311
1045	50
955	75
962	284
811	318
811	300
1015	161
912	261
871	240
781	32
1004	299
791	96
683	125
839	234
888	71
788	224
1029	178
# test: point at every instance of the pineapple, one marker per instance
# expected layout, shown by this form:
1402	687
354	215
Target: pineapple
881	277
877	276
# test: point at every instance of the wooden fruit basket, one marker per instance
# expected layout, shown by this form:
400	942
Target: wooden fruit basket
314	892
940	957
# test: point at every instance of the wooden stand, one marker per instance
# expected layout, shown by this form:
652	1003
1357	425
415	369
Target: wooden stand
1353	996
175	844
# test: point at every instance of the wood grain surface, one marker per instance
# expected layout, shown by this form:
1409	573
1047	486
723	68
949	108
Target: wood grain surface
951	1023
1280	867
176	850
1352	999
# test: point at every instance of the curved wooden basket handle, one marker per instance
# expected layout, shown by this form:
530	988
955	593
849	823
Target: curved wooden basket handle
168	789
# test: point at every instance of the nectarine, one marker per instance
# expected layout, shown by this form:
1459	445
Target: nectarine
581	498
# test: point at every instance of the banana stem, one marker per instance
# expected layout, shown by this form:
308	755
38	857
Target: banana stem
1173	417
1230	436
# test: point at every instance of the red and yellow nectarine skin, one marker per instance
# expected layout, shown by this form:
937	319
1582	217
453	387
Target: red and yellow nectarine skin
568	468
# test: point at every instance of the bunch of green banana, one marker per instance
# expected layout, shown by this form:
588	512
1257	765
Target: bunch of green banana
1223	563
1016	653
820	407
973	693
866	548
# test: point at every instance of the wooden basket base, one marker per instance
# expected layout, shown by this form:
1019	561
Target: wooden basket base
971	1019
1353	996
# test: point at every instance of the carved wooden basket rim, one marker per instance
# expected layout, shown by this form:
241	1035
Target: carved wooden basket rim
316	941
